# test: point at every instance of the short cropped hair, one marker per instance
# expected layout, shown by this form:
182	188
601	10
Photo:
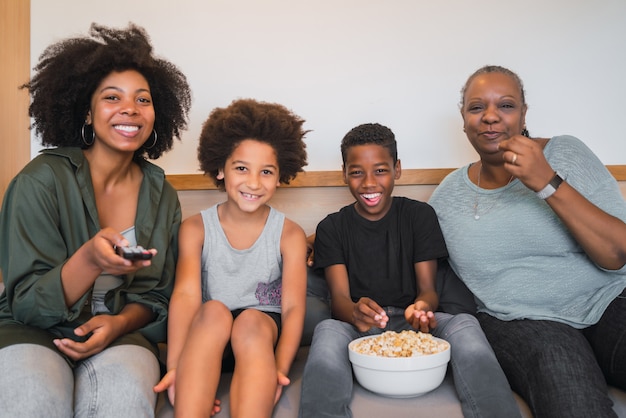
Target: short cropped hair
370	133
69	71
269	123
488	69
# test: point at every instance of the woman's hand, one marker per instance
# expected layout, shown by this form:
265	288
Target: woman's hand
524	159
102	249
600	234
95	256
104	329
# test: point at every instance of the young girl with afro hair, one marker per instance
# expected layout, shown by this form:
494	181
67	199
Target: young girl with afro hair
239	298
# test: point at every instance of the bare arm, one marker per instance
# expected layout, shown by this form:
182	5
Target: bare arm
293	248
133	317
420	314
187	295
364	314
425	274
186	299
599	234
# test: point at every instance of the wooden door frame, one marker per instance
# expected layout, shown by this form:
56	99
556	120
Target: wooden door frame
14	71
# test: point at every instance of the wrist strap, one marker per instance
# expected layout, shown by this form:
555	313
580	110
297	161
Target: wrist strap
551	187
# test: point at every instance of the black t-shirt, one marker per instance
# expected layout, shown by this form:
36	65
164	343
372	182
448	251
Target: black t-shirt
380	256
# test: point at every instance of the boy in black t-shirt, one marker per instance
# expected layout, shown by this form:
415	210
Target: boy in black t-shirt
379	256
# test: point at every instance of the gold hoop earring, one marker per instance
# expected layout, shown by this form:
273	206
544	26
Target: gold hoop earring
82	135
153	142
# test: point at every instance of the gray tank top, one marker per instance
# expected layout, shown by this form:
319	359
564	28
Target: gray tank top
250	278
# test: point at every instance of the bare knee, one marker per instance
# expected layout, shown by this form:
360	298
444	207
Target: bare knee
212	311
253	328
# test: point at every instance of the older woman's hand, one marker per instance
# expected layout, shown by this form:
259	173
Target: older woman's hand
524	159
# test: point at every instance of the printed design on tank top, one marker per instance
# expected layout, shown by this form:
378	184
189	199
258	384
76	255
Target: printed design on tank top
269	293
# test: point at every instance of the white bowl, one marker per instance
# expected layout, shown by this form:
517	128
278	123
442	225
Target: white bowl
399	377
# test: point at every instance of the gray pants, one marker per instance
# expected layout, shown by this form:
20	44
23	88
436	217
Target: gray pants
38	382
479	380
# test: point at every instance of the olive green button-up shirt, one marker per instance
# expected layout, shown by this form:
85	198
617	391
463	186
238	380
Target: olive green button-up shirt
48	212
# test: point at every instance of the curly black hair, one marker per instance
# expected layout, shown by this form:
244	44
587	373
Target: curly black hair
370	133
269	123
69	71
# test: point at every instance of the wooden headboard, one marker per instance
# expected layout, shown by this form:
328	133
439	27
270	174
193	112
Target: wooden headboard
313	195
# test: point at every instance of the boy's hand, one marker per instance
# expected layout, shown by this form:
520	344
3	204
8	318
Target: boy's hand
310	240
420	317
367	314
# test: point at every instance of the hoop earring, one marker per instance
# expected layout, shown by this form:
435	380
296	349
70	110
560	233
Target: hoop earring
525	133
153	142
82	135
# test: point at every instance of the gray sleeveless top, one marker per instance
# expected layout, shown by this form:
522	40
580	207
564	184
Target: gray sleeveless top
250	278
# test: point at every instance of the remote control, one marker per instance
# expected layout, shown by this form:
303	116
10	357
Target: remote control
134	253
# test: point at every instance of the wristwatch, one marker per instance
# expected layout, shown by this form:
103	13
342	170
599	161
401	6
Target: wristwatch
549	190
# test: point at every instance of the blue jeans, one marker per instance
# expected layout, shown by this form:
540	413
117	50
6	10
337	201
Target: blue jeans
479	380
37	381
561	371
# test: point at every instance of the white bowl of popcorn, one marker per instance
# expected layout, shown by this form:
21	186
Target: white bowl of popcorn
399	365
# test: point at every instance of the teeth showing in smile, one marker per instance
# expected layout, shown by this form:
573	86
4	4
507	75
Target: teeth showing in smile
370	196
249	196
127	128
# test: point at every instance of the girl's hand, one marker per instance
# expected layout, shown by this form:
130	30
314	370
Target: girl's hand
168	382
282	382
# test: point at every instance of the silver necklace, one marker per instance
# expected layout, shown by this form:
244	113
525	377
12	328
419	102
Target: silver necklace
485	211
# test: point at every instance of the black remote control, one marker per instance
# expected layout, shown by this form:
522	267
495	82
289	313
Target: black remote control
133	253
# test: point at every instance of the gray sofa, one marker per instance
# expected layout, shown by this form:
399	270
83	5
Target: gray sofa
442	402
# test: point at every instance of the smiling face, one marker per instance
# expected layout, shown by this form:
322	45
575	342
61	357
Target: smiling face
370	173
122	113
493	110
250	175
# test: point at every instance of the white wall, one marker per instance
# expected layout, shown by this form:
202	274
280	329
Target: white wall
339	63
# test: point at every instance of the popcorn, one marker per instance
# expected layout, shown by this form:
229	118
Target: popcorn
403	344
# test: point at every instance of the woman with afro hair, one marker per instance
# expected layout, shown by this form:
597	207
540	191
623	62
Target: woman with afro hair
239	298
79	323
